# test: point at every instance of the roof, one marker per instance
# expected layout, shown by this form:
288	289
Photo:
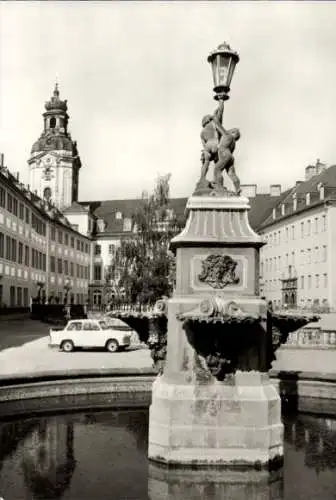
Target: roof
76	208
261	207
107	210
326	178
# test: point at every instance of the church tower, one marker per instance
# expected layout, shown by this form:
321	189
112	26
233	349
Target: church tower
54	162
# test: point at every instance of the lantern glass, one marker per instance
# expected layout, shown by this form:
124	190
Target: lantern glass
223	66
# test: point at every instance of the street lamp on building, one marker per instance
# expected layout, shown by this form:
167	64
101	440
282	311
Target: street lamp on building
67	288
223	61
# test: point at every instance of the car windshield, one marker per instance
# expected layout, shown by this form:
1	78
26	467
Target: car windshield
104	325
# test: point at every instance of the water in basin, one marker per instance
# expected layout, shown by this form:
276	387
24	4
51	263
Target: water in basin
103	455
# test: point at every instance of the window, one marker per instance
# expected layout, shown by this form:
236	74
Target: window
309	256
60	237
20	256
66	267
53	234
97	272
316	225
293	258
316	252
14	249
78	244
8	247
27	215
302	257
59	266
293	232
302	282
111	249
287	234
52	264
324	253
91	326
26	259
21	211
82	246
2	244
309	281
97	249
19	296
44	262
317	280
127	224
9	202
72	242
77	271
325	280
15	206
25	297
324	222
47	194
287	262
66	239
75	326
308	227
302	229
2	197
72	269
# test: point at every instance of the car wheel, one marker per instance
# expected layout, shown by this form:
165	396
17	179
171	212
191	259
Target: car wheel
67	346
112	345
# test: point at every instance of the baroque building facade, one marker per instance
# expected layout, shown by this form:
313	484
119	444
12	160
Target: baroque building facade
297	261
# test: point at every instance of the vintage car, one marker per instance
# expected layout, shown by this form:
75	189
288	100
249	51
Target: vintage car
89	333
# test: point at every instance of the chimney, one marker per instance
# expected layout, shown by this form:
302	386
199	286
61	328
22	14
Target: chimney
310	172
275	189
2	160
320	167
249	190
18	176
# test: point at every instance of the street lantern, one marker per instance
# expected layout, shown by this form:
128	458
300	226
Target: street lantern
223	61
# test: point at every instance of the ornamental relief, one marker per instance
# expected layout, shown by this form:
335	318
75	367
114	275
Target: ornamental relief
219	272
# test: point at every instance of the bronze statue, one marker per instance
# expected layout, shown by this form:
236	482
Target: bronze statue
219	145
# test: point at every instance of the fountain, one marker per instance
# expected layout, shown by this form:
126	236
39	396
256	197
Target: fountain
214	404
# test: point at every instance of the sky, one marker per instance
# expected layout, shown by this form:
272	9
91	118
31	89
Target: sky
138	83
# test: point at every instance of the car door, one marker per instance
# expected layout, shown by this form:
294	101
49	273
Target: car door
92	334
74	332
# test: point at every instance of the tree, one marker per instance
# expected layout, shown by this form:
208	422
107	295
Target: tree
143	267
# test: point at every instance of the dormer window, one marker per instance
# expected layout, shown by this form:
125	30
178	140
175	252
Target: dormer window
101	225
294	202
282	209
274	213
321	190
127	224
118	215
308	199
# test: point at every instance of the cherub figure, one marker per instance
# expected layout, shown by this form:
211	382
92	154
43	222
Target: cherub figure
219	145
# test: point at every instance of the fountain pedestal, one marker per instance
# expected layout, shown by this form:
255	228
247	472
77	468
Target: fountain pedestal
214	403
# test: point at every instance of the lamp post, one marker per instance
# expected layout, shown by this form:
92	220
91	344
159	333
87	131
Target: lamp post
223	61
